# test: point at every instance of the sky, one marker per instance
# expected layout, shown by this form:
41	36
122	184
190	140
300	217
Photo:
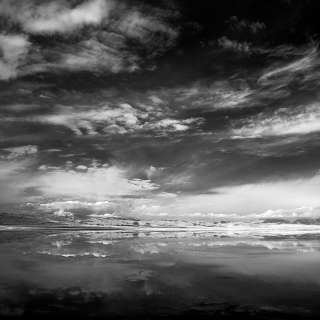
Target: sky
159	109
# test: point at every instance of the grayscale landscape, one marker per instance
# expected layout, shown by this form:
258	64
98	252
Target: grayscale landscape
159	159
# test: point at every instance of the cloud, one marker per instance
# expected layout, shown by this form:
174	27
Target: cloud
226	43
147	29
56	17
13	51
287	71
219	94
87	13
97	183
244	25
121	118
75	204
16	172
8	169
285	121
14	179
68	207
259	197
121	37
225	96
292	71
18	152
295	213
281	215
173	125
105	52
242	36
242	201
96	56
80	120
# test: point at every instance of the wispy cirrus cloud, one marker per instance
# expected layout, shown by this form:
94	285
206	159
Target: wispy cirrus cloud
121	118
285	121
309	59
92	55
215	95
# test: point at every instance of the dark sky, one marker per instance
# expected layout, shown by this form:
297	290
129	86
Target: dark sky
160	108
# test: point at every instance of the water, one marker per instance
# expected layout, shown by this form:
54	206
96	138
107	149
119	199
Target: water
145	272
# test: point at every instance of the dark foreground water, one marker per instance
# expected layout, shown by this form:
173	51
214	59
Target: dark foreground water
144	274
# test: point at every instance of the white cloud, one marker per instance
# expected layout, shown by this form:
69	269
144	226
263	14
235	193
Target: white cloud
259	197
56	17
13	50
107	46
245	25
96	183
60	17
17	152
295	213
96	56
65	208
90	209
156	100
289	215
102	52
173	125
286	71
218	95
11	168
145	28
116	119
81	167
301	120
14	179
227	43
153	171
248	200
226	97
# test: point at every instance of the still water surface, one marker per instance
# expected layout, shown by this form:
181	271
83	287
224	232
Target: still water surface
121	273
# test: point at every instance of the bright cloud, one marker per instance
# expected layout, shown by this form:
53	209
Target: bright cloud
118	119
285	72
106	46
13	51
17	152
145	28
55	16
247	200
301	120
227	43
218	95
14	179
94	183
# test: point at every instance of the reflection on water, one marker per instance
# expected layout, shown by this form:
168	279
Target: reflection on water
120	273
